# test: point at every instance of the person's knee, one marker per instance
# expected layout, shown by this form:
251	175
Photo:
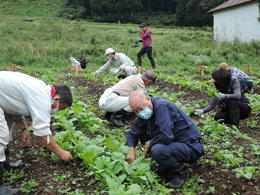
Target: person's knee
157	152
232	104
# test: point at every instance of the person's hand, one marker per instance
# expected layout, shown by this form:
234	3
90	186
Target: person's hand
136	41
25	138
65	156
131	157
117	71
220	96
147	152
199	111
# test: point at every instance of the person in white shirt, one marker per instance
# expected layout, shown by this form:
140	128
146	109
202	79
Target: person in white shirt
125	66
22	95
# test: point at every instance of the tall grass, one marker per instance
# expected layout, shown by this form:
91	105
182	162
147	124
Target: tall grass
38	42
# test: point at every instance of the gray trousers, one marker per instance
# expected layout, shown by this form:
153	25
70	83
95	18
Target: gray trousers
115	103
6	126
127	71
4	135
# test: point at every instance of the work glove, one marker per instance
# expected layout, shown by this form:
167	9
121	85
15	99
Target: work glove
136	41
117	71
222	96
199	111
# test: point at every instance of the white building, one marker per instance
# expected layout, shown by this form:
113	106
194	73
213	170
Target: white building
237	20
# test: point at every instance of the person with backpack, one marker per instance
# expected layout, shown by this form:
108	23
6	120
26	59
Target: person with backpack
233	103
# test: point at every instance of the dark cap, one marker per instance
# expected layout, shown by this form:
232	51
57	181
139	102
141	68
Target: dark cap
150	75
143	25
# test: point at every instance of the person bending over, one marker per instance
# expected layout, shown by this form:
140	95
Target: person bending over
233	103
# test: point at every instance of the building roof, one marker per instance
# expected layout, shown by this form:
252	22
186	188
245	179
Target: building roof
228	4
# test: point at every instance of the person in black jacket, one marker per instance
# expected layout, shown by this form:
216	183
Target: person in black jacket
233	104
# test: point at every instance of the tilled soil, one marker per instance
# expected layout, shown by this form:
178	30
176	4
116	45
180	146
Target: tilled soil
38	165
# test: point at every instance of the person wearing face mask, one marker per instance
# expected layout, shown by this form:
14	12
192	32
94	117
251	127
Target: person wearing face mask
22	95
115	99
125	66
170	137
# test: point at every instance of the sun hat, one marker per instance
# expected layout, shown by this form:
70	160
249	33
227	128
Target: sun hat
109	50
224	65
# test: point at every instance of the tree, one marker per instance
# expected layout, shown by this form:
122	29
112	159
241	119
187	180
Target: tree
130	5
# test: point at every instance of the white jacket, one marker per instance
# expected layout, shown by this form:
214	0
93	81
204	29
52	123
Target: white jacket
21	94
121	61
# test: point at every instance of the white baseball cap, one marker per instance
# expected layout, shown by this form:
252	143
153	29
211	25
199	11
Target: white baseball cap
109	50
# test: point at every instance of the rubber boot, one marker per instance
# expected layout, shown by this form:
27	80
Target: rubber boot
7	165
153	63
3	189
234	117
108	115
179	178
119	114
115	119
139	61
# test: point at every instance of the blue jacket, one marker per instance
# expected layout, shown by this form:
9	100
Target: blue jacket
167	124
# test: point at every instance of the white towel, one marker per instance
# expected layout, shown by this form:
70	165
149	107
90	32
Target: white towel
103	98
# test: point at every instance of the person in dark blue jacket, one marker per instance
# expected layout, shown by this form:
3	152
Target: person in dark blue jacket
169	135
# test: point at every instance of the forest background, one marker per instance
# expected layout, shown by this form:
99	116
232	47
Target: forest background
158	13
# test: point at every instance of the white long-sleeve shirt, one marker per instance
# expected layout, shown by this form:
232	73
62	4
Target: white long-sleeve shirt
21	94
121	61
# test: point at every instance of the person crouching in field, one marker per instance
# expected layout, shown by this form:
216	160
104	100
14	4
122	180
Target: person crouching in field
170	137
125	66
115	100
232	102
245	81
22	95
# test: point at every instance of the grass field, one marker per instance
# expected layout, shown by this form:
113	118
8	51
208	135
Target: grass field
42	47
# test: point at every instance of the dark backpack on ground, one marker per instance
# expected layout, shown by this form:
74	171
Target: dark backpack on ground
82	61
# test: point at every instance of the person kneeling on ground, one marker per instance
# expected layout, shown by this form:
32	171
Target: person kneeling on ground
169	135
245	81
115	100
233	103
125	66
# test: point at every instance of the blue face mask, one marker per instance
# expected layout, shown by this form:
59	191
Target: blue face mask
145	113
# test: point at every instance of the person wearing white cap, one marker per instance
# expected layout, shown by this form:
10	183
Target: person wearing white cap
125	66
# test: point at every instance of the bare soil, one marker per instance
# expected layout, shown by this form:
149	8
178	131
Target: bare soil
38	165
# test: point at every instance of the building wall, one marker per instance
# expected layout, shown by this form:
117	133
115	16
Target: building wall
239	23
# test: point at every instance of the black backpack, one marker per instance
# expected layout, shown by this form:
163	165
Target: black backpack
82	61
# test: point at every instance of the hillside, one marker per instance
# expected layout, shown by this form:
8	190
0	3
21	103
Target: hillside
36	8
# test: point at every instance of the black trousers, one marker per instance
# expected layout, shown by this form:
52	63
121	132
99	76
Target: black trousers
147	50
233	112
